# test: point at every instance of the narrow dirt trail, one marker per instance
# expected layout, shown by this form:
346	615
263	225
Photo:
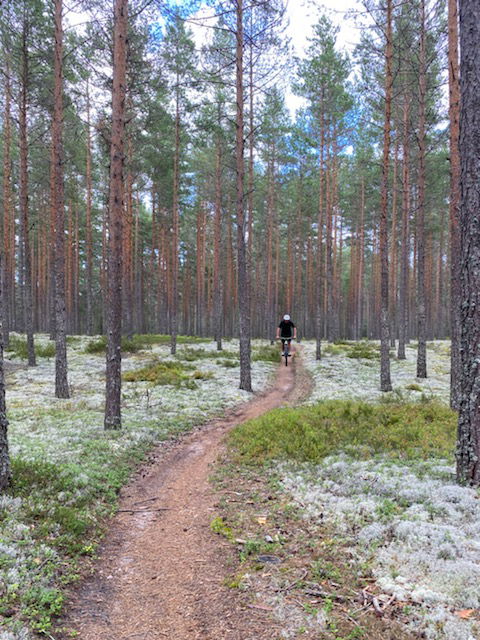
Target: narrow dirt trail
160	572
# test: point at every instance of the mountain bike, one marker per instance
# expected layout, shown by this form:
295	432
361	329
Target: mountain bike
286	349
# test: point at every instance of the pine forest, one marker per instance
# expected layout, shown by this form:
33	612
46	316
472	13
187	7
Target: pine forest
194	194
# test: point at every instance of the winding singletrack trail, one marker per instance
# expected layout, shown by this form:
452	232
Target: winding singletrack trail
160	570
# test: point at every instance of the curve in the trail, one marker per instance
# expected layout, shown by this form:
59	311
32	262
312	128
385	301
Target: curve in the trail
160	570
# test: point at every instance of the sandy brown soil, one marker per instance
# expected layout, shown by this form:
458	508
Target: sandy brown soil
161	570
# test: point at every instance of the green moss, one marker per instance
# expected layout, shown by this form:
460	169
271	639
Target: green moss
411	430
219	526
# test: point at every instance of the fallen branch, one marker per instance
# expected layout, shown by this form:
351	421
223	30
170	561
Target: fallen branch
292	584
142	510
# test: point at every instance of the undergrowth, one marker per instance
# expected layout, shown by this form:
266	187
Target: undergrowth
267	353
167	372
18	348
407	430
62	515
190	355
139	342
361	350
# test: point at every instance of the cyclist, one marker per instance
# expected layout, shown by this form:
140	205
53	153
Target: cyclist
286	330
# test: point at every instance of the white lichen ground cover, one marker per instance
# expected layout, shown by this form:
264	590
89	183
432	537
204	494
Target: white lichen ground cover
340	377
69	435
418	529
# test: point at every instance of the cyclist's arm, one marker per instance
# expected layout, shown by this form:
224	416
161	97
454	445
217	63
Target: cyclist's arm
294	333
278	333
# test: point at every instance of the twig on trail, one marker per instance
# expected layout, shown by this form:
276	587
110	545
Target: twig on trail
292	584
377	607
146	500
259	606
142	510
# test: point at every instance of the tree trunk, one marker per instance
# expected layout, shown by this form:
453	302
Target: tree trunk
4	456
385	382
320	267
455	249
175	234
421	303
24	204
61	382
468	444
115	211
217	240
243	276
403	290
88	225
7	270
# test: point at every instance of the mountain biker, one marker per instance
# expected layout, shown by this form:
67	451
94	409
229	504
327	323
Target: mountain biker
286	330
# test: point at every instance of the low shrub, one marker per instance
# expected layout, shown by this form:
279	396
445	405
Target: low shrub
190	355
159	373
270	353
364	350
18	347
407	430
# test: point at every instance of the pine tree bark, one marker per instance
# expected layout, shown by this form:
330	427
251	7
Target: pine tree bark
4	455
455	266
421	301
403	289
320	266
243	276
24	200
385	381
175	229
88	225
61	381
217	239
6	272
468	443
115	212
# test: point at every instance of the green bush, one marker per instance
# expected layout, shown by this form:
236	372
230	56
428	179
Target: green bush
270	353
411	430
364	350
18	347
98	345
190	355
128	345
168	372
45	350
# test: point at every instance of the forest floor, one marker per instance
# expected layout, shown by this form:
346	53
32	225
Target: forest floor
319	509
160	571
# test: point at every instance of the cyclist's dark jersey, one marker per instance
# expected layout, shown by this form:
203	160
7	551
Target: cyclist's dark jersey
286	328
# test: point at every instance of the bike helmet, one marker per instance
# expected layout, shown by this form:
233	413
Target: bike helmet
286	317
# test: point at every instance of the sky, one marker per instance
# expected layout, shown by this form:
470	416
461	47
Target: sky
301	15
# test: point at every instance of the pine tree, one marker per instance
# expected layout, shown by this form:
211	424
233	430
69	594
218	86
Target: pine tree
115	213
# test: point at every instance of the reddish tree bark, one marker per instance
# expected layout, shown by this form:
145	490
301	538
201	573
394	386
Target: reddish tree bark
115	212
421	301
385	382
26	267
455	249
243	276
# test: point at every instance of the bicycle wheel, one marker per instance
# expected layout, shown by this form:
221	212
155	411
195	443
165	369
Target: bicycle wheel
285	355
